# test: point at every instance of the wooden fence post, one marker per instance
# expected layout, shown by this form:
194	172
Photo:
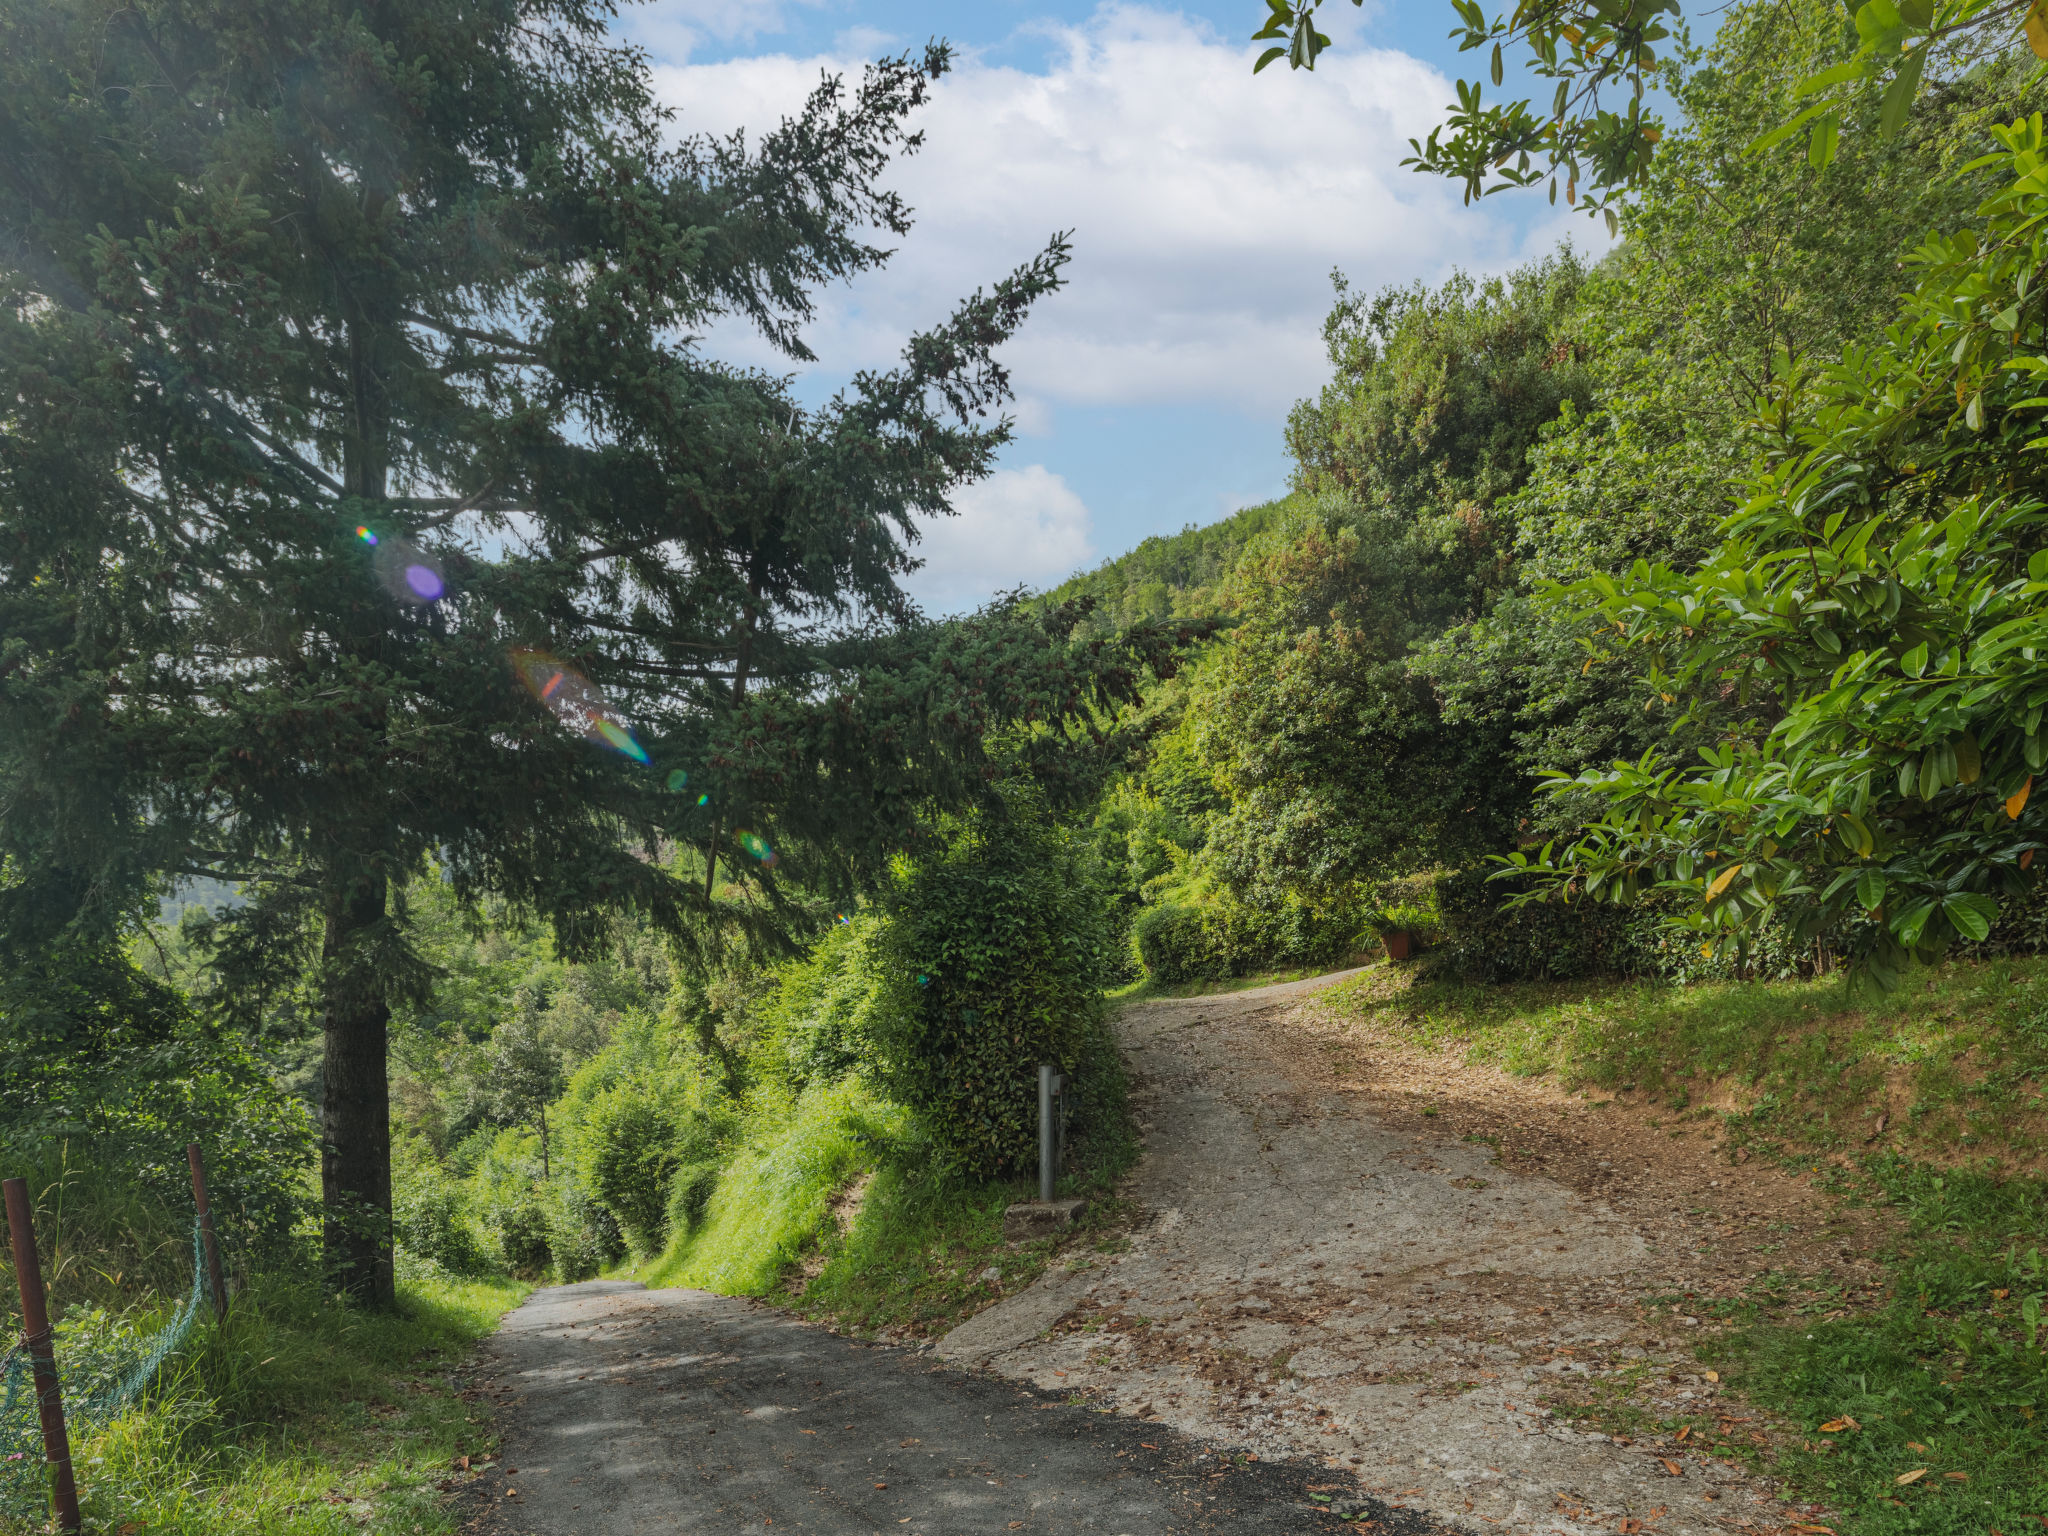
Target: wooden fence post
220	1285
42	1357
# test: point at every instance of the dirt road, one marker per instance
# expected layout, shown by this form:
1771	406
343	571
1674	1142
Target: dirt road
1384	1263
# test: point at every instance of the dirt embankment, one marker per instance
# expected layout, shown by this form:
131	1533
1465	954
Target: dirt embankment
1394	1262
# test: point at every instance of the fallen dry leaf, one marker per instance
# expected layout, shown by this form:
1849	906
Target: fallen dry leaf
1672	1467
881	1485
1148	1445
1958	1477
1815	1530
1915	1445
1713	1375
1913	1476
1836	1426
1683	1433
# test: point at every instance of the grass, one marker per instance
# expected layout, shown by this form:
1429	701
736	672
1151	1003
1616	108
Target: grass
909	1256
301	1416
1949	1068
926	1253
773	1199
1919	1409
1928	1415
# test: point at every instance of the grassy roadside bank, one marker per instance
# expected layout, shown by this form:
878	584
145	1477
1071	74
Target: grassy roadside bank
298	1418
834	1206
1920	1406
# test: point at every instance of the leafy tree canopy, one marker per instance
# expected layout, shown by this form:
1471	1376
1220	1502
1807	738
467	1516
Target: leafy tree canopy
1595	138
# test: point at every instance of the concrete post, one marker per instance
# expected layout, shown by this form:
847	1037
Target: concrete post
1048	1167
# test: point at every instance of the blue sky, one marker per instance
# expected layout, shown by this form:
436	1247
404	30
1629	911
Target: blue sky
1207	208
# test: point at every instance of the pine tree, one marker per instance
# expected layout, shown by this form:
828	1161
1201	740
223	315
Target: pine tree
367	499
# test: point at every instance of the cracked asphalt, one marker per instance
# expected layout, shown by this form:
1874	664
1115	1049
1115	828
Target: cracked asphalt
626	1410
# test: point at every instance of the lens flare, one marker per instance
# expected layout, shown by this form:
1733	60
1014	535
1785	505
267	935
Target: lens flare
409	573
572	699
702	801
366	536
758	847
678	781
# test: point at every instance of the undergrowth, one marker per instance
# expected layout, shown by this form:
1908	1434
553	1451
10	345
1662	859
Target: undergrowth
1951	1066
301	1416
919	1250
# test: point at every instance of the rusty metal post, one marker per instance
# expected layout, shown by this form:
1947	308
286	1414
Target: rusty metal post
42	1358
220	1285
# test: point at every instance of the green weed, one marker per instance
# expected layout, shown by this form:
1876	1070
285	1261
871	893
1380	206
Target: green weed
1947	1379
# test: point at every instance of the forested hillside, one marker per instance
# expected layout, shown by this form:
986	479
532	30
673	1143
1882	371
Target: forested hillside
468	762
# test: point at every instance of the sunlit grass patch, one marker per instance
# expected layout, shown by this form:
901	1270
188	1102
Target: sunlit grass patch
1954	1061
301	1416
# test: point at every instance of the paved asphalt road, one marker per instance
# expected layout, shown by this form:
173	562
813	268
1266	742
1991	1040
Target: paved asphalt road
630	1412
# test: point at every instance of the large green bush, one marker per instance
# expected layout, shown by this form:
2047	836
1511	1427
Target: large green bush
1176	945
629	1151
994	959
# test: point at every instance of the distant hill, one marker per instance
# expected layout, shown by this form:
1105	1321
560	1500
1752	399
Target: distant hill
1172	574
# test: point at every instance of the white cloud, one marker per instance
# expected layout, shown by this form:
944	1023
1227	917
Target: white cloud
1019	527
1208	206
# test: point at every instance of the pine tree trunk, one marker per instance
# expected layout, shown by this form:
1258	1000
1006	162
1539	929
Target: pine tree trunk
355	1111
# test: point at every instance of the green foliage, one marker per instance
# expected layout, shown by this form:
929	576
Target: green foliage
1877	599
105	1067
1176	945
1950	1375
1405	906
429	1220
1169	576
1574	137
1483	936
996	956
769	1205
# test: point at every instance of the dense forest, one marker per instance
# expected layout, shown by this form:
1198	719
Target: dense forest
533	836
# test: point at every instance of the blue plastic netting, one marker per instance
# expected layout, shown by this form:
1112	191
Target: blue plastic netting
103	1366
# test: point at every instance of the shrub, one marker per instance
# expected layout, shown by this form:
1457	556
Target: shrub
1484	939
427	1221
113	1069
1175	945
995	955
522	1233
689	1195
629	1150
582	1235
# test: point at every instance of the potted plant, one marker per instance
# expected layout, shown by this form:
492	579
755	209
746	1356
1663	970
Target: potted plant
1403	915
